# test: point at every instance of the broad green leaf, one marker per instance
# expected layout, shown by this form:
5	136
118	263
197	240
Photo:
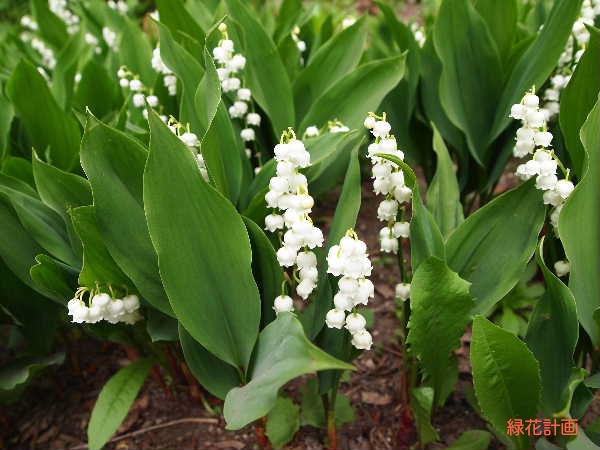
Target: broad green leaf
336	58
115	400
47	125
58	189
282	353
97	91
215	375
187	69
174	15
536	63
51	28
357	93
265	73
44	225
283	421
582	442
443	196
313	317
160	327
501	19
552	335
506	377
20	172
199	263
135	52
440	311
578	99
114	164
493	246
266	270
98	265
20	250
220	148
287	18
63	77
19	371
472	440
422	403
6	117
57	280
471	76
579	229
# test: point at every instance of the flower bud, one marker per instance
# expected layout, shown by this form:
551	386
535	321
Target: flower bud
362	340
335	318
355	322
283	303
403	291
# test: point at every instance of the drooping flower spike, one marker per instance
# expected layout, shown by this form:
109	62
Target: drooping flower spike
533	138
104	306
349	261
288	196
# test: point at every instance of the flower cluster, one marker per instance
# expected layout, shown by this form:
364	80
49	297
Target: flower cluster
119	5
349	261
296	38
230	65
169	79
534	138
190	140
574	49
418	33
48	58
312	131
141	94
110	37
93	41
103	306
288	195
388	181
335	126
60	9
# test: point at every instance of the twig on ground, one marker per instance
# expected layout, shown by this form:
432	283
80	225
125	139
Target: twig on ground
153	428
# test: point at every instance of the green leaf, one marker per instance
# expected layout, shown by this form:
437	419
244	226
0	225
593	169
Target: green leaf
6	117
440	311
422	401
357	93
283	352
51	28
493	246
114	164
333	60
578	99
443	196
135	52
63	77
96	91
536	63
215	375
471	71
58	280
220	147
114	401
472	440
98	266
552	336
21	370
174	15
582	442
187	69
60	190
265	73
506	377
501	19
266	270
206	265
44	225
160	327
579	227
283	421
47	125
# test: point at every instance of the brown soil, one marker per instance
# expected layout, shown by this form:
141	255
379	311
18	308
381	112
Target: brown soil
55	410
